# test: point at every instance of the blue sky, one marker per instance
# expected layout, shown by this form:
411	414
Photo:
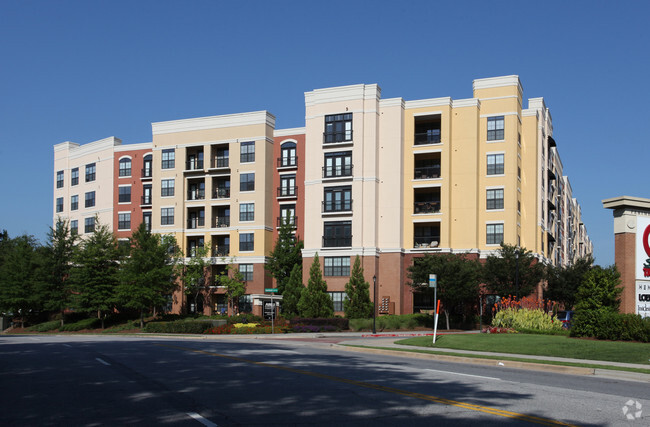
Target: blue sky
81	71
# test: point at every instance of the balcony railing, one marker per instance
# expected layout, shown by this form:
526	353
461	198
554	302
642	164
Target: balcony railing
337	137
337	242
221	250
426	241
192	165
337	171
193	223
426	207
196	195
220	162
430	137
427	172
286	191
146	172
221	193
337	206
221	221
145	200
291	220
287	162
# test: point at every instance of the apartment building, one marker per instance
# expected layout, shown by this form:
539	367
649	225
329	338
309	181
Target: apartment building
387	180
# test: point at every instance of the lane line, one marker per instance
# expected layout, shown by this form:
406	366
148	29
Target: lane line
204	421
102	361
465	375
435	399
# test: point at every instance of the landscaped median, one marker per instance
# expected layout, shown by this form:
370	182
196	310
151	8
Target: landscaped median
557	346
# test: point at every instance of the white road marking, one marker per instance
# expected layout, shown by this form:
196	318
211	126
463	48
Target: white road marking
102	361
202	420
67	345
466	375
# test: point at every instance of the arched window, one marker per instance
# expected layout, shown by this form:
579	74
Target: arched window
288	154
125	167
147	162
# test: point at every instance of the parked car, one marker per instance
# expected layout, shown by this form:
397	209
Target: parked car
565	317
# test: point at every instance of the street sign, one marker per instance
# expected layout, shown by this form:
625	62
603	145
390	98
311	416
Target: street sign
272	290
433	280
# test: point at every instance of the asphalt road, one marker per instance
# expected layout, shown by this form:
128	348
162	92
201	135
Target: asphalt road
94	381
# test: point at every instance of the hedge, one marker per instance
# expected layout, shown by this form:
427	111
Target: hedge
178	327
605	324
92	323
337	323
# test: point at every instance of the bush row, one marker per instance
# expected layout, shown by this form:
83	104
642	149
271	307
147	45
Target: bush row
524	318
605	324
338	323
178	327
402	321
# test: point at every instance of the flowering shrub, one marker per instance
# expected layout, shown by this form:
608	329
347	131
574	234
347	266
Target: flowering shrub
496	330
245	325
232	329
527	313
313	328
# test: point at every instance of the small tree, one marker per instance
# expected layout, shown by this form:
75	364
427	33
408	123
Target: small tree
235	285
147	275
457	279
314	300
563	282
292	292
286	254
357	304
95	273
514	271
600	290
59	250
194	274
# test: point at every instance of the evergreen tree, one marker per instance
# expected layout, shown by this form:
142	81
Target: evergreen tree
147	275
513	271
235	285
59	250
285	255
292	293
94	275
563	282
194	273
357	304
600	290
314	300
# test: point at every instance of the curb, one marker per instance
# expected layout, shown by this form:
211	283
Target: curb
572	370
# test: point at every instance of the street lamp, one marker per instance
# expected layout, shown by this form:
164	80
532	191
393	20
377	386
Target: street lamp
374	304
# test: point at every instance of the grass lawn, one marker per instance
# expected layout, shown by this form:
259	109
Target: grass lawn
541	345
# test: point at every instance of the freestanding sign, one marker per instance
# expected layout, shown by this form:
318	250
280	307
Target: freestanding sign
642	266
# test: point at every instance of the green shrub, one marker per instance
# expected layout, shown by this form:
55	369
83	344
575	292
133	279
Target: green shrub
524	318
398	322
338	323
244	318
564	332
92	323
45	327
178	327
605	324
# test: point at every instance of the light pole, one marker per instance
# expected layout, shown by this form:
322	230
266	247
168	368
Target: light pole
374	304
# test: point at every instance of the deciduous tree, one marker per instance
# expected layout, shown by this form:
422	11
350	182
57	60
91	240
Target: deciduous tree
600	290
194	274
563	282
235	285
513	271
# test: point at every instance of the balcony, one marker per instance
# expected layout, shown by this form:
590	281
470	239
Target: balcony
431	136
194	165
196	194
284	220
221	221
287	191
427	172
427	130
337	171
287	162
220	163
426	242
221	250
337	137
146	173
221	193
426	235
146	200
336	206
337	242
431	207
194	223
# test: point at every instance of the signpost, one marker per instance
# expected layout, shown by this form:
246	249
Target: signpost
272	291
433	283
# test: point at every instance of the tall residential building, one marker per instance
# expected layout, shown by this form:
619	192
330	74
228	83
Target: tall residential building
387	180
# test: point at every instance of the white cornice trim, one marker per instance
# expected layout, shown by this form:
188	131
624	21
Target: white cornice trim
133	147
469	102
530	113
289	132
342	93
430	102
89	148
391	102
214	122
501	81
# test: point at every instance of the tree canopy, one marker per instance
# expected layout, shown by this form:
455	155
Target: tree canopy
357	304
292	292
285	255
314	300
563	282
600	289
513	271
60	250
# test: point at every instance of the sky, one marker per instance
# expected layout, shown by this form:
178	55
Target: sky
81	71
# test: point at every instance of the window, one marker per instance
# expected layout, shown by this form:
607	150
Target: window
125	167
495	198
124	194
146	218
89	225
124	221
167	187
336	266
196	191
337	234
59	204
74	226
338	164
247	152
166	216
194	244
338	199
90	172
168	158
147	163
147	192
338	128
337	299
288	154
247	182
90	199
59	179
287	215
246	271
221	159
74	203
495	126
246	242
287	186
494	234
74	176
247	211
495	164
